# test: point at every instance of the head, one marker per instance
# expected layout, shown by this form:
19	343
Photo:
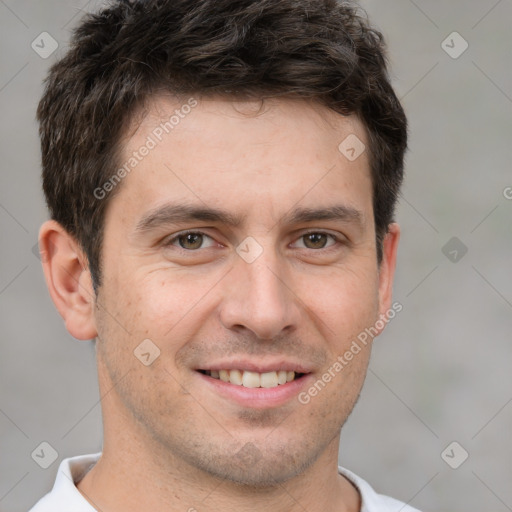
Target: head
204	197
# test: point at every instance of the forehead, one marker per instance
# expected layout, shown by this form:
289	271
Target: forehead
246	154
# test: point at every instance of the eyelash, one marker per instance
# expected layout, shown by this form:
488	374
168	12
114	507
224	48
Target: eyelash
332	237
170	241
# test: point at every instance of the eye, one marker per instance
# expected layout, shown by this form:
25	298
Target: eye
191	241
315	240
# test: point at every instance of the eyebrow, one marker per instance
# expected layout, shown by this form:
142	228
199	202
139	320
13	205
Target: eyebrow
343	213
182	213
179	213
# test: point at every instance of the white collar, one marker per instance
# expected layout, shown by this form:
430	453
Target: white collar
65	497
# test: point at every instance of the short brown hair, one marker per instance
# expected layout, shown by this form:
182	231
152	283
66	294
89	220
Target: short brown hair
120	57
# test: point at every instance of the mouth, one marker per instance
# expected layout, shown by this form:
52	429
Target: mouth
255	384
251	379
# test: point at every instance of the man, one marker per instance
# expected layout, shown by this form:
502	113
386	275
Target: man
221	177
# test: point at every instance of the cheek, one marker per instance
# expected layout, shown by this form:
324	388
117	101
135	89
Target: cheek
131	314
156	303
343	304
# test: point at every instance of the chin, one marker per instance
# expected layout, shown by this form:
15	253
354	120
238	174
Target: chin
259	467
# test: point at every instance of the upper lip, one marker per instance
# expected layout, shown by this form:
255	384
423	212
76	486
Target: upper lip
257	366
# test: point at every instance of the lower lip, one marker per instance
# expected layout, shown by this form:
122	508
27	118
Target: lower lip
258	398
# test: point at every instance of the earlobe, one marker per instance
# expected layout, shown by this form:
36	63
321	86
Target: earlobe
68	279
387	267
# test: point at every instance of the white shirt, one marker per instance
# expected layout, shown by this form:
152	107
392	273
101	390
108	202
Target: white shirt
65	497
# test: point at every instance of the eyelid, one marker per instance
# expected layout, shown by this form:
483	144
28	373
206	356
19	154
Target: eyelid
171	239
335	237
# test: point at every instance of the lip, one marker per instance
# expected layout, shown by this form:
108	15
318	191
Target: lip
256	398
259	367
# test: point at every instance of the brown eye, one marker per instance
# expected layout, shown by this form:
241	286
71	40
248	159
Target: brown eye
315	240
191	241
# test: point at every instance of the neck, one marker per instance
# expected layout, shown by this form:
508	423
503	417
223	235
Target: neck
136	472
130	477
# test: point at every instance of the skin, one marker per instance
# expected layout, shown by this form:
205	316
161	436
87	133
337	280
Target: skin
171	441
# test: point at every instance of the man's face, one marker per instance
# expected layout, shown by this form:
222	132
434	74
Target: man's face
242	244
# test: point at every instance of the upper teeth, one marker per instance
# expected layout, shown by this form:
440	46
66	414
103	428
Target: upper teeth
253	379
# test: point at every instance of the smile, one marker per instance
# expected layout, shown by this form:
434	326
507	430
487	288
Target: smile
250	379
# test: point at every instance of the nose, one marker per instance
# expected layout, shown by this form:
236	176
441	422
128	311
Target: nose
259	297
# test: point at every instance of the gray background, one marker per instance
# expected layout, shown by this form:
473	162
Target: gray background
440	372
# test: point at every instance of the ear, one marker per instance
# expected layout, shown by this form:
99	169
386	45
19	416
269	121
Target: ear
387	267
68	279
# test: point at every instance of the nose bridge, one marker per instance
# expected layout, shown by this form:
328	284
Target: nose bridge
266	284
260	299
